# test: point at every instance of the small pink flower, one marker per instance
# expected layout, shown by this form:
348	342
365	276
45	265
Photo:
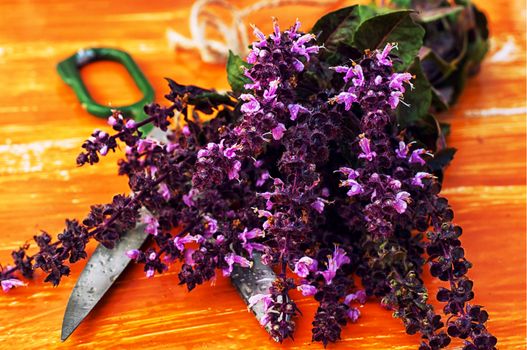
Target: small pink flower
402	150
278	131
348	98
294	109
318	205
185	130
382	57
365	146
164	191
305	265
417	180
232	259
359	296
234	171
307	289
188	199
152	225
251	106
133	253
401	201
415	157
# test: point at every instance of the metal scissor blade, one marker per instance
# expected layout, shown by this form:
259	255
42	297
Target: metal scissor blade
251	281
103	268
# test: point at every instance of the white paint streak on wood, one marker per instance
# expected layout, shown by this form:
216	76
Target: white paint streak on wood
496	112
508	52
28	157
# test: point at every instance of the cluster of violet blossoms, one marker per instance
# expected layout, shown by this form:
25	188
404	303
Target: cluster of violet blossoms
322	187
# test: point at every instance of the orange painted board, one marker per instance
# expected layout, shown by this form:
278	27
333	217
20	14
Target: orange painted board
42	127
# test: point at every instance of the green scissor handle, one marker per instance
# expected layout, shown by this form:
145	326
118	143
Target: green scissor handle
69	70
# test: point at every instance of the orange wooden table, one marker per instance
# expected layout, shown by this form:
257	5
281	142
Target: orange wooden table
42	127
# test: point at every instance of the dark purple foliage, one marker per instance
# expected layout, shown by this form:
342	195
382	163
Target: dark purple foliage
324	185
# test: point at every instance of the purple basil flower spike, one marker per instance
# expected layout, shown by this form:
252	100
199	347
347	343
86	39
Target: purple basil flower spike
365	146
11	283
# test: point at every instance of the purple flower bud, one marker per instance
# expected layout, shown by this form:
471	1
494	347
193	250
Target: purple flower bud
188	199
233	172
164	191
150	273
262	179
151	225
377	80
417	180
355	187
359	76
133	254
186	130
152	256
103	150
367	153
307	289
10	283
359	296
298	65
401	201
278	131
130	124
353	314
402	150
318	205
112	121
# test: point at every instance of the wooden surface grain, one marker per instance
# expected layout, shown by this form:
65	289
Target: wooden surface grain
42	127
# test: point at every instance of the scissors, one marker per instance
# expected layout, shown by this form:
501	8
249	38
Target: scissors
105	265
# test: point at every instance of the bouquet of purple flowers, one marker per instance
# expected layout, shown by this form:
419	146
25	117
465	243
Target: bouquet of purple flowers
324	161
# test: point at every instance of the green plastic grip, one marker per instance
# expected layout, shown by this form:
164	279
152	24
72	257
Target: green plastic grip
69	70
